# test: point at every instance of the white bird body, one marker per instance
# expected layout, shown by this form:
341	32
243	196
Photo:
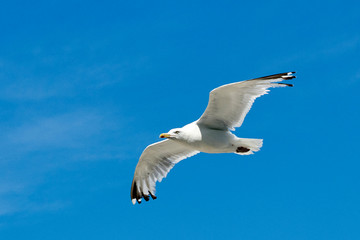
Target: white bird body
211	133
203	139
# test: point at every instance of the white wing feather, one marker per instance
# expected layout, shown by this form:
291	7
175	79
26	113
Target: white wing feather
229	104
154	164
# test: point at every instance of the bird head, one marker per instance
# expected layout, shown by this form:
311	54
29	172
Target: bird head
175	133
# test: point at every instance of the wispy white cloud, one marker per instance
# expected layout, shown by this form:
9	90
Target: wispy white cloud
42	80
13	194
326	51
18	187
24	85
64	130
44	140
42	145
341	47
46	206
355	78
9	206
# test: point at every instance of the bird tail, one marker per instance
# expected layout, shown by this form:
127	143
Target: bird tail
247	146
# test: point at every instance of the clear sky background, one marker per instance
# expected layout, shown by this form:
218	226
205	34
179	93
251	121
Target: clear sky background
87	85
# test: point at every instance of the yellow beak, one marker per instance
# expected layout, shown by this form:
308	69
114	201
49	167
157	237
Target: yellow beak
164	135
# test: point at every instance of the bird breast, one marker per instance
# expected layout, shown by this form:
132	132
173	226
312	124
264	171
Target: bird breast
208	140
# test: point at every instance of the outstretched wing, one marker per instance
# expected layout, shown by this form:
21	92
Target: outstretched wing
154	164
229	104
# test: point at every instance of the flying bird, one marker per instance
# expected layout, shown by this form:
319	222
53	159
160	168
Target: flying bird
211	133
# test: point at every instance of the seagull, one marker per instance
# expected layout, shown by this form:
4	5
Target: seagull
211	133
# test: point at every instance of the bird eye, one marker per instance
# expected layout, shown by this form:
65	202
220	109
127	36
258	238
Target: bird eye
177	132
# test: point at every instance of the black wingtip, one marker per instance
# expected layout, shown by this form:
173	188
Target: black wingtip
287	84
153	196
288	77
136	195
133	192
285	76
146	197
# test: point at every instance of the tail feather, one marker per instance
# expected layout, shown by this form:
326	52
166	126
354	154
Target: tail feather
250	144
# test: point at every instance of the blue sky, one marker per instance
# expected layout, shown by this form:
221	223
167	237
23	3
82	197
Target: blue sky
86	86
